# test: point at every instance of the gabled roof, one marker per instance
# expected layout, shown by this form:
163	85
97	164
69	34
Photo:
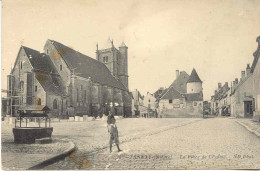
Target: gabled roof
234	88
194	97
158	92
194	77
179	83
45	71
39	61
86	67
172	94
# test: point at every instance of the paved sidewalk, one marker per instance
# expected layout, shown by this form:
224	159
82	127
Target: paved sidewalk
23	156
250	125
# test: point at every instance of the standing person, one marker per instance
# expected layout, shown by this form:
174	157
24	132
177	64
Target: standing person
112	129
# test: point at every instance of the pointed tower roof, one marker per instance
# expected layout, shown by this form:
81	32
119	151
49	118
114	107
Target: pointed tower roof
194	77
123	44
106	44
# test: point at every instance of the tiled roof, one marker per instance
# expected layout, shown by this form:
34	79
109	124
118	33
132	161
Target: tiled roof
45	72
194	77
50	83
256	56
180	83
86	67
39	61
172	94
194	97
160	95
158	92
234	88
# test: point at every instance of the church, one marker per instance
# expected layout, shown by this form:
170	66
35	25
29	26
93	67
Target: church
183	98
69	82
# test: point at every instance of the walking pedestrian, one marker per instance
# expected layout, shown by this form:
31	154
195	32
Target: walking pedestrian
112	129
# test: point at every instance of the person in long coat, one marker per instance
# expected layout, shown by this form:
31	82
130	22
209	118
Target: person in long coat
112	129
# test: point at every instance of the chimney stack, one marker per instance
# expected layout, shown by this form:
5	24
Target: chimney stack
243	75
236	80
248	69
219	85
177	74
226	83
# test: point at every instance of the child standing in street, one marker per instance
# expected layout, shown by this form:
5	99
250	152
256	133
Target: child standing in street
112	129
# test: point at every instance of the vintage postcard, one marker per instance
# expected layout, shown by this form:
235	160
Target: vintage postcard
130	85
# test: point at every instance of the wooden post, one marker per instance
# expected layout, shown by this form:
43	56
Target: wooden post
15	123
26	122
39	120
45	122
20	122
49	122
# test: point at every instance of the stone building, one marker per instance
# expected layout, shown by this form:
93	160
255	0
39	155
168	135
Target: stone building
244	94
151	104
220	101
69	82
255	69
138	102
184	97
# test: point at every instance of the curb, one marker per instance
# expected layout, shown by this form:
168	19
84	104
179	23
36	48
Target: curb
52	160
249	129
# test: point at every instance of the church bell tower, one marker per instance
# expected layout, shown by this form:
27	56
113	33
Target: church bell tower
115	60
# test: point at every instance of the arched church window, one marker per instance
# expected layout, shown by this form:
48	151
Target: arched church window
21	86
55	104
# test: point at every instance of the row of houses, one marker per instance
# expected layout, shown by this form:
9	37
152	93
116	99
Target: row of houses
240	98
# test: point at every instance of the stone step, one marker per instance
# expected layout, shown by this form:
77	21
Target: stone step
43	140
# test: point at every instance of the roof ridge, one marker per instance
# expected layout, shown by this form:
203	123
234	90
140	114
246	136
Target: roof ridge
108	78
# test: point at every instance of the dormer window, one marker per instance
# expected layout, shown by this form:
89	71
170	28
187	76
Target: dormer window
60	67
21	65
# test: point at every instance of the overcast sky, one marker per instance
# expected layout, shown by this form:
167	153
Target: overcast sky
217	38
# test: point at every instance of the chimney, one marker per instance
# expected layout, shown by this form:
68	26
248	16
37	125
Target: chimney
177	74
243	75
216	91
248	69
226	83
236	81
219	85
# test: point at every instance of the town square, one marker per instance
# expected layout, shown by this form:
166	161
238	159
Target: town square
133	85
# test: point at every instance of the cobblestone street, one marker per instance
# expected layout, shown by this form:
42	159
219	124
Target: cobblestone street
215	143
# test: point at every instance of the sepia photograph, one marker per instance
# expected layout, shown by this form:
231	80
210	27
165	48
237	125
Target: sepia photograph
130	85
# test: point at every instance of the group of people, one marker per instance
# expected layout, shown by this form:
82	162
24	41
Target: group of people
112	130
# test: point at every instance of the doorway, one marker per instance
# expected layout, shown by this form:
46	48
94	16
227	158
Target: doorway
248	109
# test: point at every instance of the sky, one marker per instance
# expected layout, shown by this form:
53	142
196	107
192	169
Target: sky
217	37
